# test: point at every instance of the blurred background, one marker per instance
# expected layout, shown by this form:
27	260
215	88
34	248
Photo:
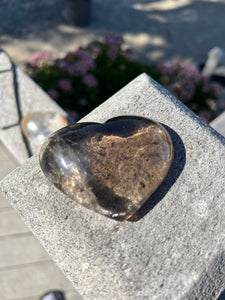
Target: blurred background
83	51
168	39
156	30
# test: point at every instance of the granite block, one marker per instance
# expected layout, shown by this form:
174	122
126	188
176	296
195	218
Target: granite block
175	250
30	97
5	63
219	124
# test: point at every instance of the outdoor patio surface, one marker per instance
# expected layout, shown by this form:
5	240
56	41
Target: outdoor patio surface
157	31
26	270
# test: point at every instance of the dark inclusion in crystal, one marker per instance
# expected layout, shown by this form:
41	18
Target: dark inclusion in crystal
111	168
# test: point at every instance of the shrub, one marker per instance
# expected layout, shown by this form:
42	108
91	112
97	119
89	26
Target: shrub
86	77
189	85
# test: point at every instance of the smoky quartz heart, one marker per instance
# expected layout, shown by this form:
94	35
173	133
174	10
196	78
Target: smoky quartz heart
111	168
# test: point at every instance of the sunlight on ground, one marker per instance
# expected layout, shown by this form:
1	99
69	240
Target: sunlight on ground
169	4
163	5
138	41
155	55
159	18
141	39
68	29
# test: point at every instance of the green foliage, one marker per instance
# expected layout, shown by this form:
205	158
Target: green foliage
86	77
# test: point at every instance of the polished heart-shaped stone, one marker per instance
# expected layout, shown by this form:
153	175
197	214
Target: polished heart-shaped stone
111	168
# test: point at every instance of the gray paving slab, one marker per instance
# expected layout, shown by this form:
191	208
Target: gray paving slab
16	251
9	113
32	281
10	224
20	252
5	63
7	162
2	296
73	296
69	295
176	250
4	203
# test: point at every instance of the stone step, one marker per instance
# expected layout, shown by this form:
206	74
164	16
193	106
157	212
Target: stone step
30	98
27	283
15	252
10	224
175	250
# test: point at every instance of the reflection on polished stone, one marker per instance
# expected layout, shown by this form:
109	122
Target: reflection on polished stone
111	168
37	126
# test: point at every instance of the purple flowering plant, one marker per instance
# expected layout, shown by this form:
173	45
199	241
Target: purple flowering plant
87	76
189	85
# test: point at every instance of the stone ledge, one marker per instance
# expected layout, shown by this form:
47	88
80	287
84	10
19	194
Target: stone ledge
32	98
219	124
5	63
176	250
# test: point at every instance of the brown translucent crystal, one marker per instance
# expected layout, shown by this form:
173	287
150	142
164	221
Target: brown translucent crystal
111	168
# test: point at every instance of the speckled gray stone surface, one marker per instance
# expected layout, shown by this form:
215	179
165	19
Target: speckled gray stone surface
219	124
176	250
5	63
31	98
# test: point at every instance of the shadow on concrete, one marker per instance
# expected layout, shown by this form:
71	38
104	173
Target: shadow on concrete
157	30
222	296
173	174
211	280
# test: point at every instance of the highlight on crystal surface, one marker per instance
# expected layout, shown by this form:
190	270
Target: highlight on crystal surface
111	168
37	126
